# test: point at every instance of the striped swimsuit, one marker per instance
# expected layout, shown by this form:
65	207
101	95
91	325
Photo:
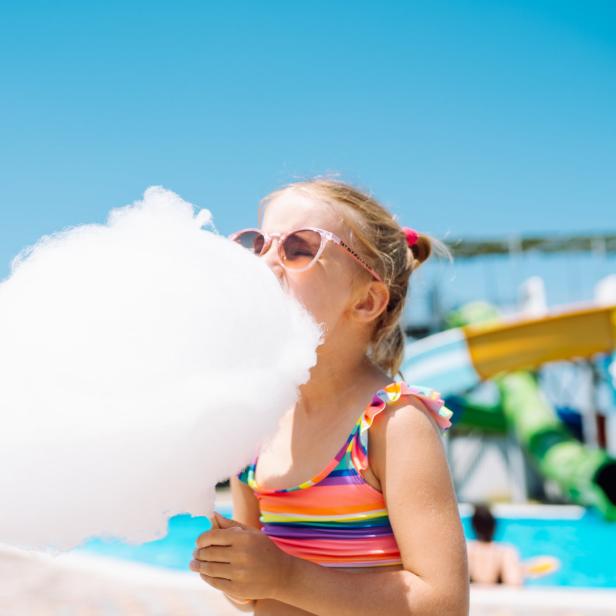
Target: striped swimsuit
337	519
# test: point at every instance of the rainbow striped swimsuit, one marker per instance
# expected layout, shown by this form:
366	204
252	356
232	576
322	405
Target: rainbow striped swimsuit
337	519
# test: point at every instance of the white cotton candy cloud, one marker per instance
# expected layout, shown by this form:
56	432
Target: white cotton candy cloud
141	362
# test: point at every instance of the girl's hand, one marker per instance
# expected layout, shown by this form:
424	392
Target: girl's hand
240	560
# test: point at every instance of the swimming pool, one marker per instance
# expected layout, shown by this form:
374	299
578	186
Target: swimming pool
583	542
585	545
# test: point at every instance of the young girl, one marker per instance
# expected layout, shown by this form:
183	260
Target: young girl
355	480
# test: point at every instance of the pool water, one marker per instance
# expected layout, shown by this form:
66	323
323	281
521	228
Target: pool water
585	546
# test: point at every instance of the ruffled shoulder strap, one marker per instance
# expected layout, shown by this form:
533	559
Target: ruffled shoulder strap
387	396
394	391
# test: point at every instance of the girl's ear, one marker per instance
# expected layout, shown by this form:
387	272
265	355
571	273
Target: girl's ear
371	302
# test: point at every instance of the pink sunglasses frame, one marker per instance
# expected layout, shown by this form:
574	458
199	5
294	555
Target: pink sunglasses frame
326	236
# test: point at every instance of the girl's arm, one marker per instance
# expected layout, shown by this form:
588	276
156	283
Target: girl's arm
407	454
245	510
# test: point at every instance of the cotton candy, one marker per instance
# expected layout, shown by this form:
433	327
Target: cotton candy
141	361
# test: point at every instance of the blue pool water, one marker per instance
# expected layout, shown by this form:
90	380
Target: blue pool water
586	546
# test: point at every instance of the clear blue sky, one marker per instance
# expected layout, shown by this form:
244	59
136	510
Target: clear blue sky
466	118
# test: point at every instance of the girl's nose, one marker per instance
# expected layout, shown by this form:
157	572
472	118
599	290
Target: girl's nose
277	269
273	262
279	273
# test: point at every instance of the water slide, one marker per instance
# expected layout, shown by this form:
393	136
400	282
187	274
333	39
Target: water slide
483	345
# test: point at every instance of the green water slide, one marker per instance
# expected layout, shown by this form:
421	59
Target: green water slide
586	475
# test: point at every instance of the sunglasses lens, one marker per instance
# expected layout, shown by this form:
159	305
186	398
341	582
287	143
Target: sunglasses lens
300	248
252	240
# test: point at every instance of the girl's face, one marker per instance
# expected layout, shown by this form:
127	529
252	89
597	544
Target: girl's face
335	289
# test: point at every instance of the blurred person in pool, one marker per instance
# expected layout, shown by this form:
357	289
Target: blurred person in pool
491	562
355	479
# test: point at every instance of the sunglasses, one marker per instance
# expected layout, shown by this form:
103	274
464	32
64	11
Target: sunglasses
298	250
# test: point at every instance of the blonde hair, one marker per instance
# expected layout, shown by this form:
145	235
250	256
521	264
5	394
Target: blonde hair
378	237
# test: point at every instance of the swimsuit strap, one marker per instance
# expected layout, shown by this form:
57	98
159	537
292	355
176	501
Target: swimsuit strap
357	441
388	396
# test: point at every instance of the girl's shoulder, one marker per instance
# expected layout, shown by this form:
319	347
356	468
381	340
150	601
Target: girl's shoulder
398	394
414	413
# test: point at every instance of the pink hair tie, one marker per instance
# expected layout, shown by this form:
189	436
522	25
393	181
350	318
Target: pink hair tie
411	236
